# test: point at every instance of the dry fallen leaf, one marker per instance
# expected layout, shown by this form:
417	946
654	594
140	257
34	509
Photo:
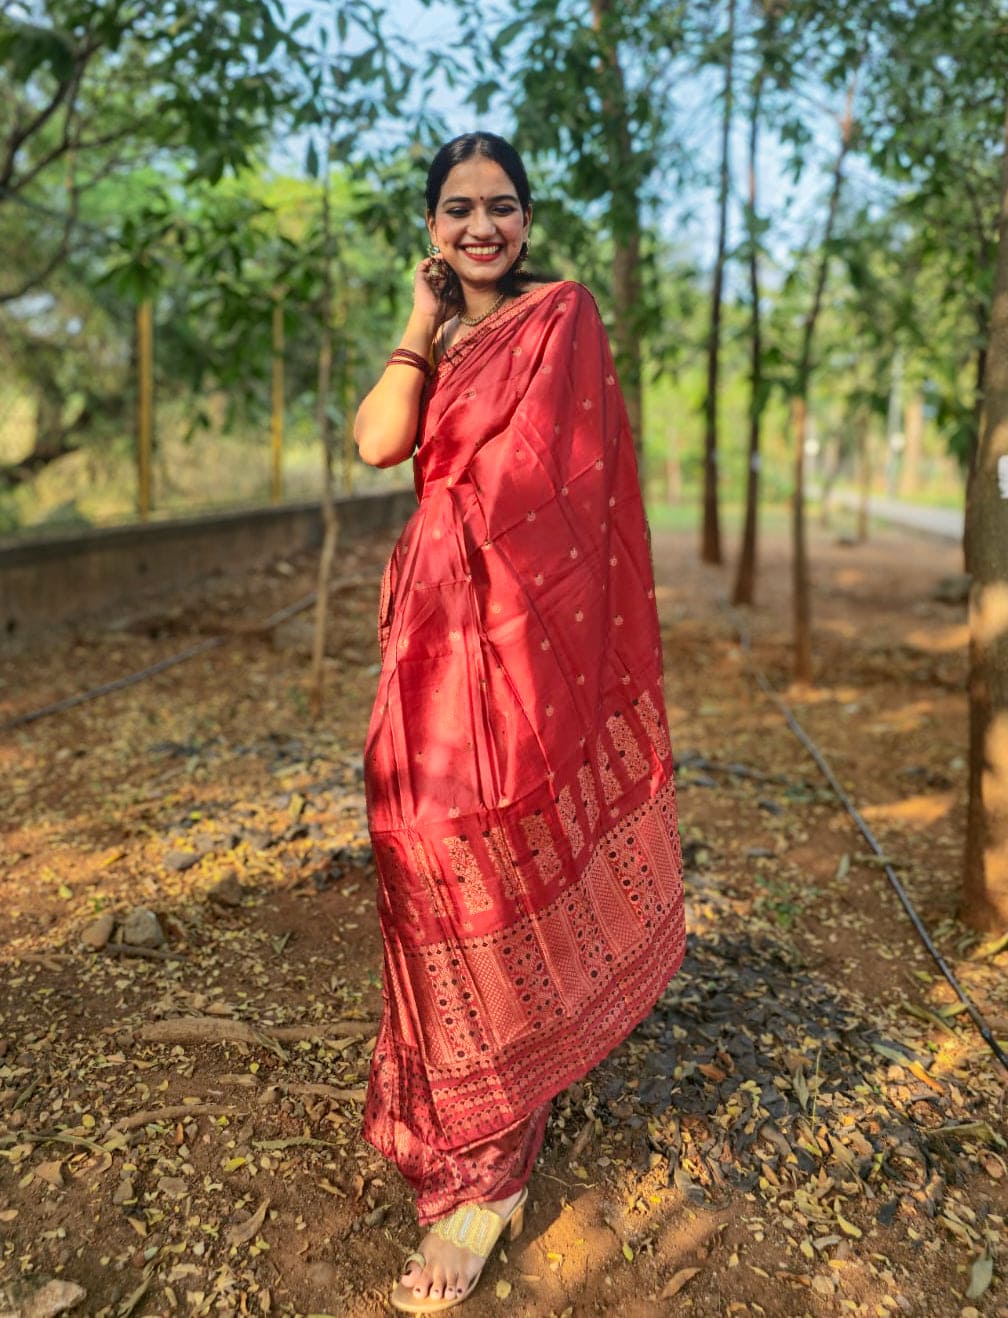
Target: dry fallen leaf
247	1230
51	1173
677	1281
981	1276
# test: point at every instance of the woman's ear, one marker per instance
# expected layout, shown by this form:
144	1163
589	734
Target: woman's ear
430	229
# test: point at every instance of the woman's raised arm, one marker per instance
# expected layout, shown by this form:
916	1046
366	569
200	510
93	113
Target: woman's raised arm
385	427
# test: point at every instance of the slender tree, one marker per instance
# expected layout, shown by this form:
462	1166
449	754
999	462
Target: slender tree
330	521
625	224
745	579
710	547
592	109
985	889
801	585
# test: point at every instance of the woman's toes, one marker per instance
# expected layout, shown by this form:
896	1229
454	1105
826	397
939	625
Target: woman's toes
420	1282
436	1291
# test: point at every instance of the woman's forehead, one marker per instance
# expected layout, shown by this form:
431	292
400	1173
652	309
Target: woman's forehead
476	178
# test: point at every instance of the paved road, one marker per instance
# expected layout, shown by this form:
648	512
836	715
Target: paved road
944	522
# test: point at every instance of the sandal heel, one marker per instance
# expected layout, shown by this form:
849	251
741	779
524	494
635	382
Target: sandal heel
517	1222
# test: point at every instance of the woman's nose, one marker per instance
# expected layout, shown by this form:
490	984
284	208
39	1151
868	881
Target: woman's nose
481	222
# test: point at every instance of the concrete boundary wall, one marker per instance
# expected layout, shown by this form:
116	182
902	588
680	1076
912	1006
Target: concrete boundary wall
58	578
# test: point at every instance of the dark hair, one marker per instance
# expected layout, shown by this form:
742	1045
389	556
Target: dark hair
453	153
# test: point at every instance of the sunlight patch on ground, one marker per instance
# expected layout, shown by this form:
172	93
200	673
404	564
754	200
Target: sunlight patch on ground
910	718
849	577
939	640
827	695
917	811
839	627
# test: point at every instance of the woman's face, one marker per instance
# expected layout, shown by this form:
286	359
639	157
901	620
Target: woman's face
479	224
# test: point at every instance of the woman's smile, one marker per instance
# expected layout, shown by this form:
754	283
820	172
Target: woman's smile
483	251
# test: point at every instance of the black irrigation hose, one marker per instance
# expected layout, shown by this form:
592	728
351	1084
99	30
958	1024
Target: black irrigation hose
131	679
764	684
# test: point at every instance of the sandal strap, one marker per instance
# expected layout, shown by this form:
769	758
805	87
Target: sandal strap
471	1227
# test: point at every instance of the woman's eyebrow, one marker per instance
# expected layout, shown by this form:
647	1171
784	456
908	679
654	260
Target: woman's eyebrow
503	196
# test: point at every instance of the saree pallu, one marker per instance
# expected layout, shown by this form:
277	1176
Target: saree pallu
518	766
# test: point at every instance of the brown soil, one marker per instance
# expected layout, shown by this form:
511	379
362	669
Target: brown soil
804	1125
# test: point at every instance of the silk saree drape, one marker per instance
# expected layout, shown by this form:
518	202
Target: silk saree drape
518	766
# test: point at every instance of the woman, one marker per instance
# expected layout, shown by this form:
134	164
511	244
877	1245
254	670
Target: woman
519	773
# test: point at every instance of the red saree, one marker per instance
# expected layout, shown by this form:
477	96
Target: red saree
518	766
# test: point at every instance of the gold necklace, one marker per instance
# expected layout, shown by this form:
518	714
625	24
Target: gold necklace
475	320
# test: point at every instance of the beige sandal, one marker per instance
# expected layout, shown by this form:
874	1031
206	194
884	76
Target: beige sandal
472	1228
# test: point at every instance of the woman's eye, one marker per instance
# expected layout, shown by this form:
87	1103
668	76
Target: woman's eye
458	214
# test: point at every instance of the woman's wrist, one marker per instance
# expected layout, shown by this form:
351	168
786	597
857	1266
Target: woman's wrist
420	330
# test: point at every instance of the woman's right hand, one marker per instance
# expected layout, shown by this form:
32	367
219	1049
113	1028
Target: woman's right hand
426	287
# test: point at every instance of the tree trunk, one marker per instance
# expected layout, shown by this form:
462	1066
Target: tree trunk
626	335
863	440
710	546
830	462
624	217
801	594
802	610
330	524
895	439
913	445
277	400
745	579
980	374
985	880
145	406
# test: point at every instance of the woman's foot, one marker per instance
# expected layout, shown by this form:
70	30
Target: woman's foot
449	1272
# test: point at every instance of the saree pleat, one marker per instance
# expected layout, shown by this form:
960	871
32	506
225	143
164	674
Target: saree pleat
518	764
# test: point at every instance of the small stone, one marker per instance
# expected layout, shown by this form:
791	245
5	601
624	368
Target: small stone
174	1186
4	1045
98	932
39	1297
124	1193
141	928
180	861
227	891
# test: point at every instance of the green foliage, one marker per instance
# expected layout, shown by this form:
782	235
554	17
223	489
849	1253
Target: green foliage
134	150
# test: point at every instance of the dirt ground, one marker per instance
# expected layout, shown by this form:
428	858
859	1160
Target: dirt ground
805	1125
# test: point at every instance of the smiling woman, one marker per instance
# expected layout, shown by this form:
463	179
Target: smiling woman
479	213
518	765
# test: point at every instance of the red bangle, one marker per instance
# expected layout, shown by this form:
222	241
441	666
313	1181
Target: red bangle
406	357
